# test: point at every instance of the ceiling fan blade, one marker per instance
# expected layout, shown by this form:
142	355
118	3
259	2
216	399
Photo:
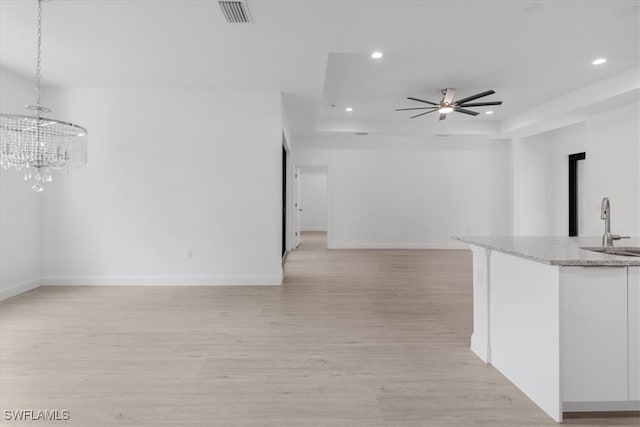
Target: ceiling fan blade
422	114
448	95
480	104
476	96
422	100
469	112
442	116
415	108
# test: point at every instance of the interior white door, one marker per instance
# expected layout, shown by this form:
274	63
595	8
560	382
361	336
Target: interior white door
298	208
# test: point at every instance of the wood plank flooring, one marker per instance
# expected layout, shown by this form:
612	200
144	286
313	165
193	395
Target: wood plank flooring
353	338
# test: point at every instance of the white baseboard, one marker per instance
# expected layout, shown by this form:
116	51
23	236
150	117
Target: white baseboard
397	245
626	405
313	229
275	280
19	288
22	287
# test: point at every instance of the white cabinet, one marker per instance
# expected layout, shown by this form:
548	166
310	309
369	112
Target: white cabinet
634	333
525	327
594	334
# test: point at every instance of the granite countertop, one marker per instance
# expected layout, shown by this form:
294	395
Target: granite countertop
556	250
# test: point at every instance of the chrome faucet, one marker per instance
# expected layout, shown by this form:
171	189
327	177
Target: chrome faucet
605	214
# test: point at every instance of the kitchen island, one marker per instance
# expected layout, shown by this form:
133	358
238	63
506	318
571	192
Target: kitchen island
560	322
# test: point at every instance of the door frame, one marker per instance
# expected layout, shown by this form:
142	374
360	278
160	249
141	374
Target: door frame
290	193
574	227
284	200
297	209
322	169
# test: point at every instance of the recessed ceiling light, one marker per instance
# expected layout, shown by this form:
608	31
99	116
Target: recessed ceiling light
599	61
489	112
376	55
348	109
445	110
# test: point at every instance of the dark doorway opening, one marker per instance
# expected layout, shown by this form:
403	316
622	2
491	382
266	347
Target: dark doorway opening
573	192
284	200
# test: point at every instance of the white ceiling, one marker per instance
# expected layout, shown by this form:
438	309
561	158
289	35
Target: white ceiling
317	52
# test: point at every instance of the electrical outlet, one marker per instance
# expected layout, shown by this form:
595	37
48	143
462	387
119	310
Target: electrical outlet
189	253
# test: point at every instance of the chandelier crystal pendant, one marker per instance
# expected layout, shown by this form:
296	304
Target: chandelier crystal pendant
37	144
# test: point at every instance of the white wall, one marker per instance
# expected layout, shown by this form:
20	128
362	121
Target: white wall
611	140
313	201
541	181
20	207
169	171
394	194
613	146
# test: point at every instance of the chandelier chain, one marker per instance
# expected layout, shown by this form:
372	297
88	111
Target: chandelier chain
38	66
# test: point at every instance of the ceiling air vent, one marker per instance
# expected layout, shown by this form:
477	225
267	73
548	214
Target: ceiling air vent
235	12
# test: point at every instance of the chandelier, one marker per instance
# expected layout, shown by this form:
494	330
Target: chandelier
37	144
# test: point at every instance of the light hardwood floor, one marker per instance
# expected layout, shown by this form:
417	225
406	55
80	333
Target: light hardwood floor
355	337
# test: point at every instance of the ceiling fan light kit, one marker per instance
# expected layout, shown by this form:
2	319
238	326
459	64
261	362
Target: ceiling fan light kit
448	105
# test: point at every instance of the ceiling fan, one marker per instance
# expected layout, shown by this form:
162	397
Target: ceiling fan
448	105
